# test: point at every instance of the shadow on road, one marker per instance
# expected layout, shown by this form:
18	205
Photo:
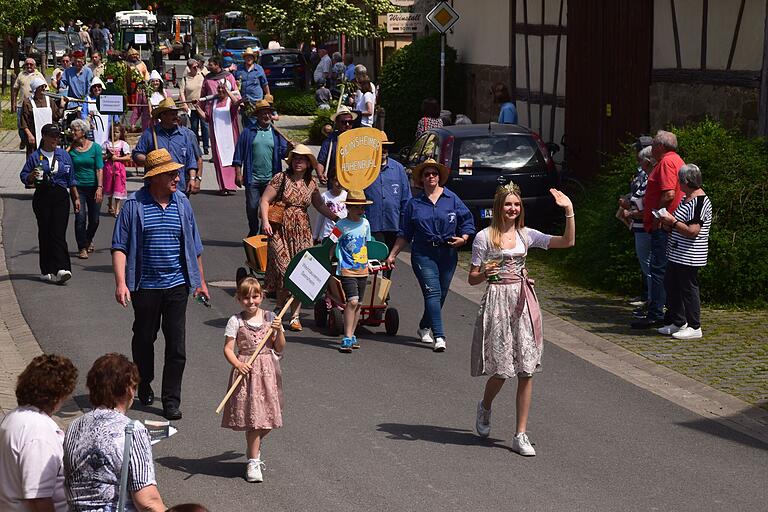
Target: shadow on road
437	434
222	243
717	429
215	465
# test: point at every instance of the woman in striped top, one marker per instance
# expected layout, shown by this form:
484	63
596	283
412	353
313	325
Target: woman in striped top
686	252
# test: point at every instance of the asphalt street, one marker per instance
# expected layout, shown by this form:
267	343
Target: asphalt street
390	426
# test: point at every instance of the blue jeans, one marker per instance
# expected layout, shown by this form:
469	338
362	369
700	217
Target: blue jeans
253	193
198	122
657	296
87	219
22	135
643	251
434	268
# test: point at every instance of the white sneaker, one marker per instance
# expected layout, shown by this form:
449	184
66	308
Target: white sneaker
671	329
439	345
688	334
522	445
253	470
63	276
483	420
425	335
637	302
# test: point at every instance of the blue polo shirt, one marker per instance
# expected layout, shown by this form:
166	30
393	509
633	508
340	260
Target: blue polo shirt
424	222
390	193
162	242
65	170
178	144
252	82
79	83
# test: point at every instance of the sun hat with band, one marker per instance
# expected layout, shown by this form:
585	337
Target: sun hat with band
164	106
302	150
159	161
343	110
429	162
386	141
356	198
250	52
132	51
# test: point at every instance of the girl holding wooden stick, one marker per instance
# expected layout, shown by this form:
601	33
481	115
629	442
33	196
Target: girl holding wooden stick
257	403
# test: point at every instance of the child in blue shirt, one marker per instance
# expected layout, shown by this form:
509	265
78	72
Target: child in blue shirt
352	257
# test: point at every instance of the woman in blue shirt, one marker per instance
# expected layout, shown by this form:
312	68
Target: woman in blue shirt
508	112
435	223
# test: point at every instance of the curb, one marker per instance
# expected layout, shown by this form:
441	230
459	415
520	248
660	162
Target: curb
18	345
688	393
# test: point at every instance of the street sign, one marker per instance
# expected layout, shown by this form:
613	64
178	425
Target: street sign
443	17
405	22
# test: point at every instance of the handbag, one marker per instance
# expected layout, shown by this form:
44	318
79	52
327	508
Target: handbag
277	207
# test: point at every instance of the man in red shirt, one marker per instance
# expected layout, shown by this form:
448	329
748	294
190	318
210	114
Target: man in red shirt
663	191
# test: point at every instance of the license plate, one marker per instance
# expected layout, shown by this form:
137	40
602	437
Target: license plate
283	84
486	213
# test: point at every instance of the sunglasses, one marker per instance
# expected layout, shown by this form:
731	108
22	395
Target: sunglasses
345	121
428	174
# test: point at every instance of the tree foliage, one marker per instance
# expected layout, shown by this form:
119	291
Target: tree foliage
302	20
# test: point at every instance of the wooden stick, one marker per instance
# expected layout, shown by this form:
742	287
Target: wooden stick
330	150
252	358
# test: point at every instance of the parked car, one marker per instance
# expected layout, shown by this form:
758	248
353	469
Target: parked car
59	41
483	157
235	46
285	68
225	34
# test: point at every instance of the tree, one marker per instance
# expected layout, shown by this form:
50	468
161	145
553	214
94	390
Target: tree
302	20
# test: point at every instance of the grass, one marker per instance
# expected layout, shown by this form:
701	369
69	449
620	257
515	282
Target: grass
732	356
297	134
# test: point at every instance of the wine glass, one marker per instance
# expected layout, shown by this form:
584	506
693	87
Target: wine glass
494	261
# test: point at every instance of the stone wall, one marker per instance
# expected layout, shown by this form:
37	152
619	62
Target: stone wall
676	103
479	78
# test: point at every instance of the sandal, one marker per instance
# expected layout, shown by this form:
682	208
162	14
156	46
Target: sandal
295	325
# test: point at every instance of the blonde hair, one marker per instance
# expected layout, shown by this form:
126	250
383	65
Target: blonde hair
247	287
497	220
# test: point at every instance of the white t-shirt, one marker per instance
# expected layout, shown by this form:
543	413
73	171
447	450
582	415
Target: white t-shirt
233	324
31	454
362	99
336	204
483	249
48	155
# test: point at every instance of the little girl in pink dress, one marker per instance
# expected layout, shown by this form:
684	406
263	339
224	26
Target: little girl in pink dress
256	406
117	154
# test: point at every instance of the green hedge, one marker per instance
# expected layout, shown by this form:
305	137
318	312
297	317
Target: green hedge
734	172
322	117
411	75
294	102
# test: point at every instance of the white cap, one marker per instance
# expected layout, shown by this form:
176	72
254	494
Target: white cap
154	75
36	82
97	81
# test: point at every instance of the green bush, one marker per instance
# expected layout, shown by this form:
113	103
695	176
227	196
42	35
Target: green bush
411	75
734	172
294	102
322	117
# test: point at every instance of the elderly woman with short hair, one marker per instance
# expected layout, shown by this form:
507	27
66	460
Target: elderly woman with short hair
31	449
686	252
89	165
93	446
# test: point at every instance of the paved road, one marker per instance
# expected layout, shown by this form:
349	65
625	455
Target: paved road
389	427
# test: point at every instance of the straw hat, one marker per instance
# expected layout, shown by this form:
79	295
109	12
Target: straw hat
357	198
250	51
302	150
260	105
386	140
132	51
160	161
165	105
429	162
343	110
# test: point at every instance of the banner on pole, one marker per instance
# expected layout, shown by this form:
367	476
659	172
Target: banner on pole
358	157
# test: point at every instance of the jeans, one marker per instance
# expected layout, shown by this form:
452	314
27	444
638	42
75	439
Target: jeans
682	285
253	194
87	219
657	266
22	135
153	309
196	121
643	251
434	268
51	207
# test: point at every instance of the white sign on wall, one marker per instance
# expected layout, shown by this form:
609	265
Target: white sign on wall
403	3
405	22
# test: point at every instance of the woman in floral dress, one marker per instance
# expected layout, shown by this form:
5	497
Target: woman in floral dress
507	342
297	189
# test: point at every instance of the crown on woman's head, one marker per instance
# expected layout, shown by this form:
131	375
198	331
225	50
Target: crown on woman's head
509	188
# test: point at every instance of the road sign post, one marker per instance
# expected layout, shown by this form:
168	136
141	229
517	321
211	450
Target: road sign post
442	17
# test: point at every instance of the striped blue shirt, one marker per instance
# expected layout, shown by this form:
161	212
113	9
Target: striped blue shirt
162	265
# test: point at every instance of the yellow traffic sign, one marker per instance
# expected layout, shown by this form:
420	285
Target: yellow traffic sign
443	17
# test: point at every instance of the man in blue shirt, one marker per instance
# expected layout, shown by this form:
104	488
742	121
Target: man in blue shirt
253	80
260	151
170	137
390	193
157	258
78	76
343	120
